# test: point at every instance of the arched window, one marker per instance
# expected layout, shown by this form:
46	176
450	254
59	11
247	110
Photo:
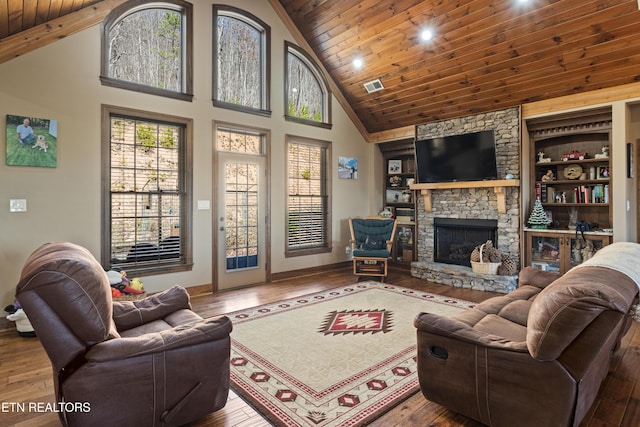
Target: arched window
240	61
307	93
147	47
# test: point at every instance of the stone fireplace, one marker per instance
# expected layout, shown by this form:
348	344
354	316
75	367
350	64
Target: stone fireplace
473	203
455	238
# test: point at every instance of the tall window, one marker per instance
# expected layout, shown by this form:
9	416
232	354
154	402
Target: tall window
308	203
240	61
147	48
307	93
146	191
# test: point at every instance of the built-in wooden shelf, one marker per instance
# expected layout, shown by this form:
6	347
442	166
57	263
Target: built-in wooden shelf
498	185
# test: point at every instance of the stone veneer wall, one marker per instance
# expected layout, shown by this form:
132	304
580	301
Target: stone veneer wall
477	203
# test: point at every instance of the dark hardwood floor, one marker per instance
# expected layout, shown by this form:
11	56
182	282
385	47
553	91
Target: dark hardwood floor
25	372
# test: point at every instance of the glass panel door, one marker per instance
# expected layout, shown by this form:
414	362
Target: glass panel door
583	248
545	252
241	232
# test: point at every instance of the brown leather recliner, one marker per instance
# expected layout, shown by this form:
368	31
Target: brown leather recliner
141	363
537	356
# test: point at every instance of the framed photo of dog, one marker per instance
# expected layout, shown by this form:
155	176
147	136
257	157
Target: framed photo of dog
31	141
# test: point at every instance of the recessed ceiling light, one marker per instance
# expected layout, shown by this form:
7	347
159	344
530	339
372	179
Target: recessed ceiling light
426	34
358	63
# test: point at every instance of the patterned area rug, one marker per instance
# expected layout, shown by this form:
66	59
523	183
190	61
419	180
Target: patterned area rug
341	357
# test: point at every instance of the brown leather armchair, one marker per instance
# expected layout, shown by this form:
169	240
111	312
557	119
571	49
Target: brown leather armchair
146	362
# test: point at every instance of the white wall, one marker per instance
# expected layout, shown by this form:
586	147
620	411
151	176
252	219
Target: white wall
61	82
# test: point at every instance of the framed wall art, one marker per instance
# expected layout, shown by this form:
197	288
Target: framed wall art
347	167
31	141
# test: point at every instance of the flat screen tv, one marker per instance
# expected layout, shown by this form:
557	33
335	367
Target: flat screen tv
466	157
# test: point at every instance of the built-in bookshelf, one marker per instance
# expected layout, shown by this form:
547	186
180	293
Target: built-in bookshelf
571	175
399	199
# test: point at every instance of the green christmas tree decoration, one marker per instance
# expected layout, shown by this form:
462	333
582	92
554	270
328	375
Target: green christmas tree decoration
538	219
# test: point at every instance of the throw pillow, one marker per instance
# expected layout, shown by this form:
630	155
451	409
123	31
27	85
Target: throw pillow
372	244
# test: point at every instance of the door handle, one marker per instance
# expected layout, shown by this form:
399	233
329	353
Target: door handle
221	228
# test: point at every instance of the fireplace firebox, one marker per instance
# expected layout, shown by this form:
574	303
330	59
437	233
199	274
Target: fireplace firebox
455	238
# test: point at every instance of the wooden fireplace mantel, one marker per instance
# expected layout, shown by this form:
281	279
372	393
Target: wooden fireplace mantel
498	185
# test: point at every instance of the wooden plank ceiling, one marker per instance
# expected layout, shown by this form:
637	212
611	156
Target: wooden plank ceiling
485	54
20	15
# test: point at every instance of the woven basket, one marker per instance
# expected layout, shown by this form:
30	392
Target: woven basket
484	267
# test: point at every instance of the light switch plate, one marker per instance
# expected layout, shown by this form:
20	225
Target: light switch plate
204	205
18	205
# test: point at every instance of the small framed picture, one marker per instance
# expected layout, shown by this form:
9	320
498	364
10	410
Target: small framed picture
603	172
395	166
393	196
347	167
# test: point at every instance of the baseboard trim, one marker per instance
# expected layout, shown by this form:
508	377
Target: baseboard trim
197	290
284	275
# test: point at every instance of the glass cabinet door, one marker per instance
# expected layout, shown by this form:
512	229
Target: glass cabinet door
583	248
545	252
403	246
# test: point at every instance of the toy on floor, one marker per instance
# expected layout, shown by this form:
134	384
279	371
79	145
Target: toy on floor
17	314
120	284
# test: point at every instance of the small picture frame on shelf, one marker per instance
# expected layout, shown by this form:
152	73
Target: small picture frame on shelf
393	196
395	166
603	172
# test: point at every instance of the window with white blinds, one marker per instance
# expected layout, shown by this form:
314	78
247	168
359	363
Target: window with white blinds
308	202
147	192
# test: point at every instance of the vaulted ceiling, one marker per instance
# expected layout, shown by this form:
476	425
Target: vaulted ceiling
484	54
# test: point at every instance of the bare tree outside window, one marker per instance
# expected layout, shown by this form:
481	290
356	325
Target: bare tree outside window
307	93
146	48
238	76
241	61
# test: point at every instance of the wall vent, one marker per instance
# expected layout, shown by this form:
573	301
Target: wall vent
373	86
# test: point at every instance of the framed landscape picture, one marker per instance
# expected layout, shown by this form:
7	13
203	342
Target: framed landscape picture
31	141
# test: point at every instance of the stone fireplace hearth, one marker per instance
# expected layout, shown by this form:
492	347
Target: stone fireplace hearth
473	203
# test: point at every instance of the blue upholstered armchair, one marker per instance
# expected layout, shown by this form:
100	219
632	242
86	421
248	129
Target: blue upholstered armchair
371	242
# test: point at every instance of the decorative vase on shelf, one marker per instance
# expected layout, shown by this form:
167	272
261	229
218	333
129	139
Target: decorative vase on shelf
406	197
386	213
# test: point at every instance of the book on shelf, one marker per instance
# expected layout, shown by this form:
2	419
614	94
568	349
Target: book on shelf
595	193
404	219
591	194
405	215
